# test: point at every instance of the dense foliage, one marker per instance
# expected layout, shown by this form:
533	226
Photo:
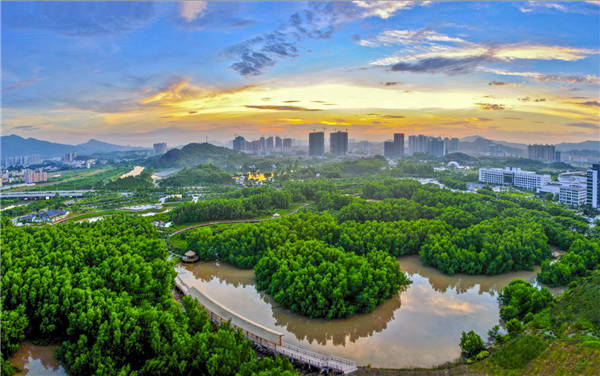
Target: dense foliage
471	344
521	300
317	280
259	202
103	288
197	175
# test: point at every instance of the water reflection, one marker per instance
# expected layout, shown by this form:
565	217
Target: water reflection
420	326
37	360
461	283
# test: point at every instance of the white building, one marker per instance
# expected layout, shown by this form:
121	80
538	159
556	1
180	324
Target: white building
513	176
529	180
491	175
573	195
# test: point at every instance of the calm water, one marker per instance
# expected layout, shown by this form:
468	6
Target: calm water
37	360
420	326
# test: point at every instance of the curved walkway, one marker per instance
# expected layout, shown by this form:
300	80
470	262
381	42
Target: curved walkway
263	336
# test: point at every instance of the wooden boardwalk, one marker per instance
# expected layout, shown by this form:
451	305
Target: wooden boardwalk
266	337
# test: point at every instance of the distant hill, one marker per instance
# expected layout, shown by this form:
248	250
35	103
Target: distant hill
480	145
14	145
194	154
585	145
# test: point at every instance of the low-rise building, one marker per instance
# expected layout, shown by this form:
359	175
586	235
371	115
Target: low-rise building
513	176
573	195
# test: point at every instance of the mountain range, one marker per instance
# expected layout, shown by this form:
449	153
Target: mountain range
14	145
478	144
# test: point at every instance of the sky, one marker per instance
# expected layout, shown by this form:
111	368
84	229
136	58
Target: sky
142	72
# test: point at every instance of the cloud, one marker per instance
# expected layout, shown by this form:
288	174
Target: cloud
385	9
490	106
190	10
282	108
500	83
24	128
408	37
584	125
544	77
513	118
393	116
316	22
391	83
20	84
590	103
291	101
441	65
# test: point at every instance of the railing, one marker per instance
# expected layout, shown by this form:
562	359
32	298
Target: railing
292	351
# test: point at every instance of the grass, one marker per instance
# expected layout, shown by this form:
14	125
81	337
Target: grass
560	358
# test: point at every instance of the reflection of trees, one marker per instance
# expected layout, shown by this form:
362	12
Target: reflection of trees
225	273
461	283
321	331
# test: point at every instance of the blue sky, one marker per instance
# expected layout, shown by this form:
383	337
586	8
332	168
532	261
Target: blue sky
137	73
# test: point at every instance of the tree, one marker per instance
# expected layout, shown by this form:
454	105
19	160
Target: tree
471	344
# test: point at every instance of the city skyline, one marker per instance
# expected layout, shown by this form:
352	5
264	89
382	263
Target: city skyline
142	73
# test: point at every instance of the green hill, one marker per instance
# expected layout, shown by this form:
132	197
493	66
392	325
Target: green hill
194	154
197	175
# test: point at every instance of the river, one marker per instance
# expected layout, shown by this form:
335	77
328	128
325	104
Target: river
418	327
37	360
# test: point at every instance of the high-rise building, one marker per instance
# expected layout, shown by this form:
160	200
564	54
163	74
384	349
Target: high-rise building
450	145
593	186
278	143
160	148
398	145
540	152
287	144
388	150
316	144
70	156
239	143
269	144
338	143
263	144
435	146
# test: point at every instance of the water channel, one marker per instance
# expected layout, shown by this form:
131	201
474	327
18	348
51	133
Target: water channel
37	360
419	327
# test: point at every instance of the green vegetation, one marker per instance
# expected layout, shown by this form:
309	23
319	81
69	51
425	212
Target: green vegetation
471	344
317	280
141	182
197	175
194	153
104	289
84	179
546	335
521	301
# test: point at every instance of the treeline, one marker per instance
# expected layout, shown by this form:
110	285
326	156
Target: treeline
259	203
251	202
104	289
197	175
314	279
453	231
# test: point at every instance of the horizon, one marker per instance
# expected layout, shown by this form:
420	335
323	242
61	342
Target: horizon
139	73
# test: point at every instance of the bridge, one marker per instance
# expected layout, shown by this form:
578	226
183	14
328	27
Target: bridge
266	337
44	194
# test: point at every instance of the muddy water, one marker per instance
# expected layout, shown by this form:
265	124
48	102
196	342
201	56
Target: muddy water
420	326
37	360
